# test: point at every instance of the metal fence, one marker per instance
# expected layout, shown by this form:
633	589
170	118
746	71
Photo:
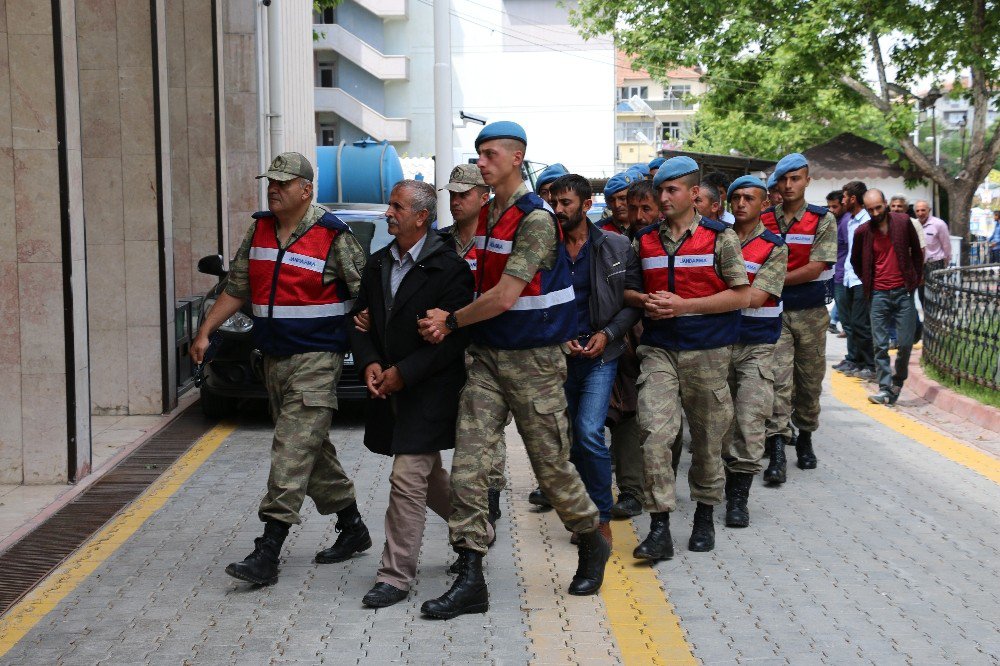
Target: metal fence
962	323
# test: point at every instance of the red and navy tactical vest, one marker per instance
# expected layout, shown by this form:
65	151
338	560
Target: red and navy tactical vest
760	325
691	272
545	313
293	310
610	227
799	239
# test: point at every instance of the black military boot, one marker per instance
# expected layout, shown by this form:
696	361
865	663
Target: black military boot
354	537
626	507
493	496
657	545
804	450
737	493
538	498
593	551
261	566
775	472
703	533
468	594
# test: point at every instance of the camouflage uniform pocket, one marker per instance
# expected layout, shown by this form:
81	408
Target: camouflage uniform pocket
318	399
766	372
552	415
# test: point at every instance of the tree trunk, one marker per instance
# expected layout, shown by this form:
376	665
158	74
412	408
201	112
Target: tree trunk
960	194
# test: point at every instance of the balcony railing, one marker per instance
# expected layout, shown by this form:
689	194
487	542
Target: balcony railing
670	105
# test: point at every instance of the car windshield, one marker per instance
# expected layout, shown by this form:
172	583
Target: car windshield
352	217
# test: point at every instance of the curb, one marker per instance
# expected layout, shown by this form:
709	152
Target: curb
944	398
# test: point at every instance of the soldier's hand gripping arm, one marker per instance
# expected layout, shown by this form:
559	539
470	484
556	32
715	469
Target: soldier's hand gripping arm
496	301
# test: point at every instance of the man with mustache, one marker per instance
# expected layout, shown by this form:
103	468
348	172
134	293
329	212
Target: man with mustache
887	257
602	266
300	267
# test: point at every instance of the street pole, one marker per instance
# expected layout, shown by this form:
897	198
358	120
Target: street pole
443	130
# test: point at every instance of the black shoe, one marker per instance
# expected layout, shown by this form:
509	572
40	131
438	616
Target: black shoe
593	552
703	534
627	506
494	515
845	366
468	594
538	498
775	472
657	545
261	566
382	595
354	538
737	494
804	451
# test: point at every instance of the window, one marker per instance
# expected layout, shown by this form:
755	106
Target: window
326	16
630	131
327	135
671	131
627	92
676	92
327	78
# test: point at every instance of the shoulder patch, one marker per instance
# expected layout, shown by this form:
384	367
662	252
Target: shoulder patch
819	210
772	238
262	213
714	225
331	221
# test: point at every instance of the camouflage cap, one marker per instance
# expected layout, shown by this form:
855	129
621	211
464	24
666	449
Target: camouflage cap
288	166
464	177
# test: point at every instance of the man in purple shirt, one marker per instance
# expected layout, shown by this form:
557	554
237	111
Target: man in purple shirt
937	252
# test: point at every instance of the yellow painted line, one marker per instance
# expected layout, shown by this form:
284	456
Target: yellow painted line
20	619
852	393
644	622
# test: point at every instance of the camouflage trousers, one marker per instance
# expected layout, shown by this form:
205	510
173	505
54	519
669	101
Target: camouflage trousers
751	382
497	478
303	392
799	368
697	382
626	453
527	383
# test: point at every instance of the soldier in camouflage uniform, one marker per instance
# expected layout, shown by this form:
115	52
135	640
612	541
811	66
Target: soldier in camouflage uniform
751	378
695	284
523	314
469	193
299	266
810	232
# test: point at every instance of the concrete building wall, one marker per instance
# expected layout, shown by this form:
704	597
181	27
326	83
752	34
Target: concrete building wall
298	112
195	191
127	205
43	363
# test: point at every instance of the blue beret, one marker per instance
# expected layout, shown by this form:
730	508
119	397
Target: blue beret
772	182
503	129
549	174
790	162
743	182
657	162
674	168
641	168
619	182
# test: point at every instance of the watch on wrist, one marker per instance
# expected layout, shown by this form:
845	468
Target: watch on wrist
451	322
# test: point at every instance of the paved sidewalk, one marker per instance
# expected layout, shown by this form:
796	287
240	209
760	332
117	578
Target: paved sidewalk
887	553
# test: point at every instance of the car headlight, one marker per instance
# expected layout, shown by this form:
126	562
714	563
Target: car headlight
238	323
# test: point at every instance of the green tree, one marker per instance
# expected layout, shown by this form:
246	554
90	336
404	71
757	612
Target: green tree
785	74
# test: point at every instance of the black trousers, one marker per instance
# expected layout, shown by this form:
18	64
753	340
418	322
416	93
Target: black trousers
855	315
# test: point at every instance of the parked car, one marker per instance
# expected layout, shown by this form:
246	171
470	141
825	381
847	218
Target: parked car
235	374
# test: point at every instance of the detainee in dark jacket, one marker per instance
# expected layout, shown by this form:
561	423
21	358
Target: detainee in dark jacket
414	385
888	258
602	266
